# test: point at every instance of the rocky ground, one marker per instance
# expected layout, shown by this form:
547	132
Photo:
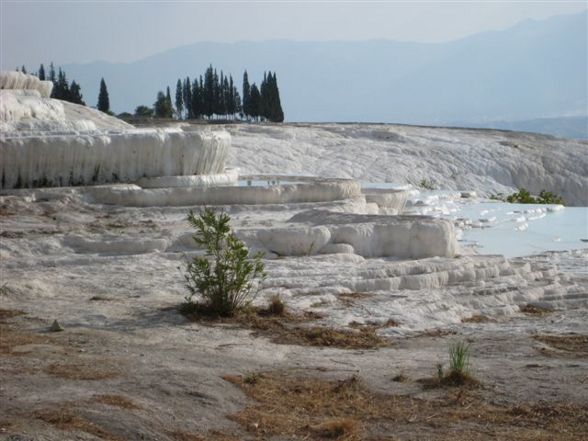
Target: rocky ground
129	366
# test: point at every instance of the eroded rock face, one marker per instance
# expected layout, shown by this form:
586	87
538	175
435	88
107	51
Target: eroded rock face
19	80
414	237
46	142
87	159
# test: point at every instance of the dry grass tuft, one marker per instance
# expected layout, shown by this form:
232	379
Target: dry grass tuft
213	435
65	419
291	407
477	319
82	370
276	306
289	328
573	345
350	299
11	338
534	310
362	338
116	401
338	428
9	313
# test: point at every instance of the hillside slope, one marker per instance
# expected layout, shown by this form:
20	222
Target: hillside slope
487	161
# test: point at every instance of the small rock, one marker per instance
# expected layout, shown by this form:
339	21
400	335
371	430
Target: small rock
55	327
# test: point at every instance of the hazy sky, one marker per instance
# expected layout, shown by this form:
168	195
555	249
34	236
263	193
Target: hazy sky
81	31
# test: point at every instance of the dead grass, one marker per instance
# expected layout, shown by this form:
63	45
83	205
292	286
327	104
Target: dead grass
289	328
350	299
67	420
213	435
116	401
451	379
534	310
6	314
361	338
11	338
573	345
296	408
477	319
337	428
82	370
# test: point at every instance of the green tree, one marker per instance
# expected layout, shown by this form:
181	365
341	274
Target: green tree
254	102
224	278
103	99
41	73
187	95
246	95
75	94
162	106
276	113
179	98
144	111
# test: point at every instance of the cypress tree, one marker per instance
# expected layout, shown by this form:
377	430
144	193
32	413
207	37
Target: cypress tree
103	99
254	101
264	102
246	95
197	104
179	98
231	97
75	94
208	95
277	113
52	73
169	100
41	74
188	98
162	106
23	70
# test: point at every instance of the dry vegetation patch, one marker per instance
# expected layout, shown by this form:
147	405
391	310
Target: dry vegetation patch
477	319
67	420
283	327
297	408
534	310
11	338
116	401
213	435
9	313
82	370
573	345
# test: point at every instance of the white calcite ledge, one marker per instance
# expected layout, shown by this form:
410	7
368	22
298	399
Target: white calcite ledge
97	158
229	177
135	196
19	80
413	237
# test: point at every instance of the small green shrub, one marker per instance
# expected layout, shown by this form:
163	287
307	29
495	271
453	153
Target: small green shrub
524	197
224	278
459	358
427	185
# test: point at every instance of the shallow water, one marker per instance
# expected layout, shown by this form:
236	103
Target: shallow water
513	230
519	233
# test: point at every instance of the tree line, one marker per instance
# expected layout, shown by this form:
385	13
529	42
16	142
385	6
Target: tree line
214	96
210	96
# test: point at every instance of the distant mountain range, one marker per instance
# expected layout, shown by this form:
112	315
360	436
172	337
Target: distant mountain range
536	69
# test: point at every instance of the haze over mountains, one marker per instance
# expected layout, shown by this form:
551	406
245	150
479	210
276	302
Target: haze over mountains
536	69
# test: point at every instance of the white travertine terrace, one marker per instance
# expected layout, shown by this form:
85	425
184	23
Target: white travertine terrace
18	80
48	142
84	159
